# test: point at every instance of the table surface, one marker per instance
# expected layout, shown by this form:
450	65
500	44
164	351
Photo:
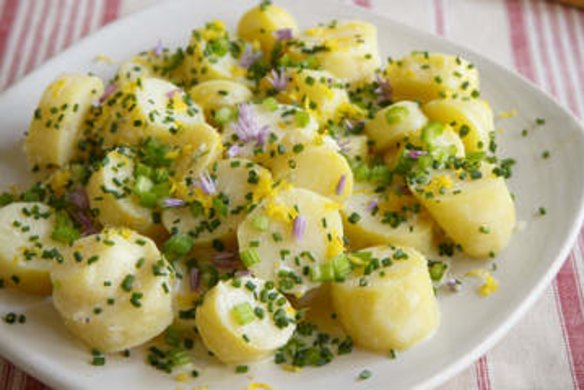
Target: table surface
543	41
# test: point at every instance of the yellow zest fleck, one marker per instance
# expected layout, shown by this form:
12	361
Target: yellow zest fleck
438	183
104	59
259	386
281	212
508	114
182	377
177	102
291	368
318	140
490	284
59	181
173	154
335	246
56	88
333	206
264	189
125	233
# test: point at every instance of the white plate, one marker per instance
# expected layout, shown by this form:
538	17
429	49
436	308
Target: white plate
470	325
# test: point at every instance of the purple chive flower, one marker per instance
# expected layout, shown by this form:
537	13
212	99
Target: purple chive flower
341	185
278	80
284	34
372	205
233	151
344	145
173	202
206	184
170	94
81	213
453	284
226	260
78	198
247	127
108	91
194	279
299	227
242	272
158	49
249	56
384	89
415	154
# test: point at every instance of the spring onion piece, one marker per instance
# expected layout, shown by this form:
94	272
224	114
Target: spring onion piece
341	266
261	223
437	270
243	313
249	257
65	230
323	272
178	245
396	114
302	118
430	132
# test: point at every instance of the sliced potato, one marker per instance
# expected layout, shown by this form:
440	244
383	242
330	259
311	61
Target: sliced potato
282	254
239	326
27	252
213	95
108	281
58	121
149	108
334	180
260	129
370	218
238	181
478	214
471	118
427	76
316	90
391	303
261	23
394	123
197	148
111	197
352	52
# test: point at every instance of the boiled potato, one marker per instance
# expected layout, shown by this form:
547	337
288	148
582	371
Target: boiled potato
390	303
58	121
149	108
471	118
427	76
130	71
478	214
261	23
111	197
316	90
371	218
394	123
214	95
351	53
27	251
262	131
209	57
237	181
239	324
270	248
197	148
114	290
302	169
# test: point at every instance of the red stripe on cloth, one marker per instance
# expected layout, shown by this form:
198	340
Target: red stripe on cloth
30	383
573	38
6	366
110	11
519	43
38	38
559	48
572	314
7	19
363	3
58	24
482	374
72	23
20	42
89	9
439	17
545	58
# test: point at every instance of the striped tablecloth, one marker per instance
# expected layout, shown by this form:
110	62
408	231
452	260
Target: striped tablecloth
543	41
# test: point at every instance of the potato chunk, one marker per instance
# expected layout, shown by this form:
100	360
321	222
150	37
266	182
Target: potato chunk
58	121
427	76
388	304
27	251
214	95
262	22
478	214
388	218
295	229
114	290
238	326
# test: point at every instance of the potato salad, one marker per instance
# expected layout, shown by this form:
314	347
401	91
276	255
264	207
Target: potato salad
267	191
